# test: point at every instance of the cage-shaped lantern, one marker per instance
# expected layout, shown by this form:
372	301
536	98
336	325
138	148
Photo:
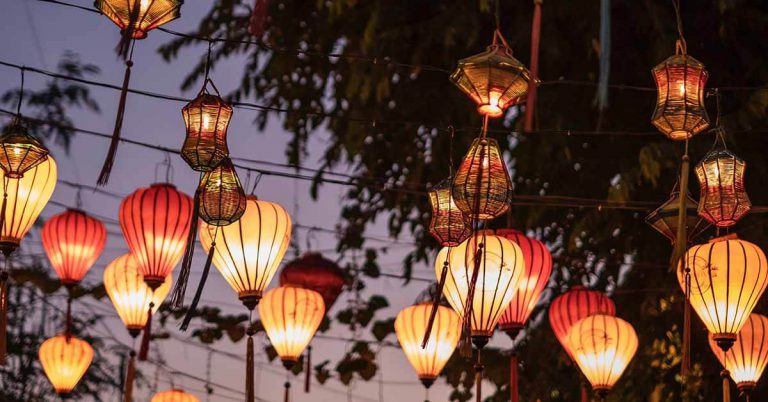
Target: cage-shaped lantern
249	251
27	196
290	317
206	118
538	267
664	218
65	360
140	16
728	276
482	188
721	178
574	305
747	359
130	295
448	225
20	151
73	241
155	222
315	272
174	395
222	198
680	83
410	326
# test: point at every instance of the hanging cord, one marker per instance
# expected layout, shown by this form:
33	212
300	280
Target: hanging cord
68	319
287	385
479	376
147	337
180	289
308	378
21	92
497	15
514	390
208	387
725	375
130	375
208	62
530	103
203	278
250	389
681	44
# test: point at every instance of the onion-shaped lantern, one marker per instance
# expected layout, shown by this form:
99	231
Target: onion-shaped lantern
174	395
680	112
290	317
410	325
206	118
721	178
155	221
574	305
603	346
538	267
222	198
448	225
130	295
65	360
249	251
664	218
728	276
73	242
482	188
748	358
137	17
315	272
20	151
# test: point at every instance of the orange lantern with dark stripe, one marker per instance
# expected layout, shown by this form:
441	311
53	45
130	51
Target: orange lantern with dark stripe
73	241
290	317
574	305
65	360
20	151
747	359
174	395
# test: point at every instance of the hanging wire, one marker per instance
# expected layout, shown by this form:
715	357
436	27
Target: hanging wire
498	15
21	92
679	19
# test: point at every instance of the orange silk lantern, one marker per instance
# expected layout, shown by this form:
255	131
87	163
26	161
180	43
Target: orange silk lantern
680	82
748	358
174	395
721	178
574	305
155	221
315	272
448	225
482	188
73	241
65	360
290	317
20	151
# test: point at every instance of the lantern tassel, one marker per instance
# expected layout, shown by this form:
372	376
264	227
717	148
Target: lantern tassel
109	161
68	322
479	377
726	385
124	46
3	208
180	289
435	304
259	18
514	391
129	377
144	349
308	378
584	392
200	286
250	390
3	316
287	386
530	104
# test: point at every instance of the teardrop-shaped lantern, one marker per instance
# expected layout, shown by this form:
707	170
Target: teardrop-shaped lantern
448	225
155	221
664	218
723	198
315	272
206	118
538	267
20	151
728	276
222	198
482	188
249	251
174	395
130	295
574	305
139	16
603	346
290	317
27	197
747	360
65	361
410	325
680	83
73	241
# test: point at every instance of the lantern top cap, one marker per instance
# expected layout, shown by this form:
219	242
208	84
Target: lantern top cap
728	237
681	60
154	185
204	98
719	154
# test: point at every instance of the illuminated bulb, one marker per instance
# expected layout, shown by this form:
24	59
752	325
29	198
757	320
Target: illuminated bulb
682	89
207	122
144	4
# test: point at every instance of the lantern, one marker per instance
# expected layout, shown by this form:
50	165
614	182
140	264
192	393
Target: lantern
721	178
174	395
603	347
65	360
20	151
493	79
73	242
728	276
248	252
27	197
501	268
313	271
206	118
538	267
680	112
222	198
137	17
290	317
155	221
448	225
482	188
747	359
410	325
664	218
574	305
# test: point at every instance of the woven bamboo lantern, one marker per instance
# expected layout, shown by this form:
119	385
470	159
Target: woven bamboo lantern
449	226
206	118
603	346
574	305
315	272
538	267
20	151
222	198
721	178
482	188
65	360
664	218
680	112
155	221
728	276
747	360
137	17
73	241
174	395
290	317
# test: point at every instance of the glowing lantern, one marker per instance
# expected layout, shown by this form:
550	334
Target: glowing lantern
222	198
448	225
20	151
206	118
748	358
313	271
603	346
155	222
73	242
65	361
174	395
723	198
410	325
248	252
538	267
680	112
291	316
728	276
574	305
664	218
482	188
137	17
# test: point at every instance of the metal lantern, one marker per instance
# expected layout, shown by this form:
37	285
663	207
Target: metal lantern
222	198
20	151
721	178
448	225
493	79
664	218
315	272
174	395
728	276
482	188
65	360
206	118
137	17
73	241
748	357
574	305
680	112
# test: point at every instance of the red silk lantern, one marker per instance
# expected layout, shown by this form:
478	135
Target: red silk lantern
574	305
313	271
73	242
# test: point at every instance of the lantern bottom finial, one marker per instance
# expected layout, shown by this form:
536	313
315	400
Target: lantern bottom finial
602	392
250	301
480	341
491	111
512	330
725	341
134	331
154	282
746	388
679	135
8	247
288	364
427	382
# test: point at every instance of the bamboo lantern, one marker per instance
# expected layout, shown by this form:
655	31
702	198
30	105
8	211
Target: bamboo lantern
493	79
664	218
574	305
603	346
137	17
65	360
73	241
410	325
721	178
249	251
222	198
449	226
155	221
728	276
538	267
20	151
748	358
680	112
206	118
482	188
290	317
315	272
174	395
